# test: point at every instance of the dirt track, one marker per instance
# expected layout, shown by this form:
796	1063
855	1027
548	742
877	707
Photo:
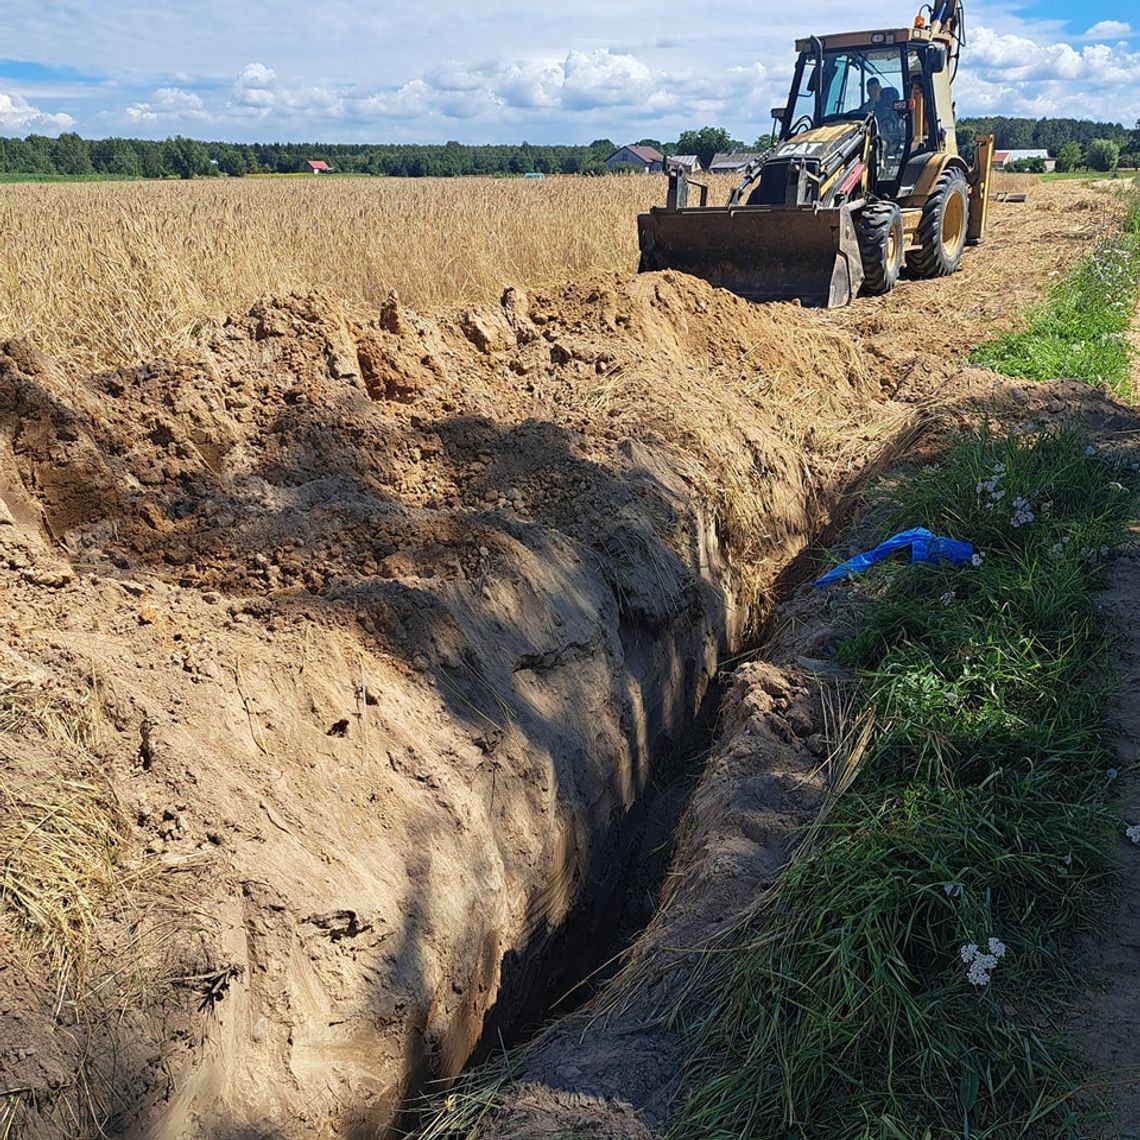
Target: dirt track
391	628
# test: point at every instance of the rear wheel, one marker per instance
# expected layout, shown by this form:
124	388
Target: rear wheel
880	246
942	229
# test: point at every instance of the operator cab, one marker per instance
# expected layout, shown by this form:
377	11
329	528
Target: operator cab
884	75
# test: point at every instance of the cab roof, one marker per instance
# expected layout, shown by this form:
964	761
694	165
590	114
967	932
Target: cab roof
876	38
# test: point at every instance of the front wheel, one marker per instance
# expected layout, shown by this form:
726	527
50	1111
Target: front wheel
942	229
880	231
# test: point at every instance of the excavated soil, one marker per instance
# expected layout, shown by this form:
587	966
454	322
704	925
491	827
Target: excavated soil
341	662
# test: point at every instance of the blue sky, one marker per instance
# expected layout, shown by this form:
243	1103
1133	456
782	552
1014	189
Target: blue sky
505	70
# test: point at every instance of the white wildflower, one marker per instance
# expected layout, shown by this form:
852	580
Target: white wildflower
1068	860
954	890
980	966
1133	832
947	598
1022	512
1112	773
978	973
977	558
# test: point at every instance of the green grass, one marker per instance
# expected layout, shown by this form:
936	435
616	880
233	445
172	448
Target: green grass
10	177
981	809
1080	331
1084	175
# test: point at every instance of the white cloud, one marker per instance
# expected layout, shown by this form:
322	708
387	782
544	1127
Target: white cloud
17	114
409	102
499	71
169	104
1015	75
1108	29
455	76
254	88
602	79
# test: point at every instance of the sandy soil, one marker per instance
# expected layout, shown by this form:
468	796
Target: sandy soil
1103	1025
390	629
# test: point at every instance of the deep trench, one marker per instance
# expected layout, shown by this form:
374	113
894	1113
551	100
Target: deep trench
589	948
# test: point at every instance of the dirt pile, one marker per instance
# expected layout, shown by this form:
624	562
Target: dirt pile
391	627
388	629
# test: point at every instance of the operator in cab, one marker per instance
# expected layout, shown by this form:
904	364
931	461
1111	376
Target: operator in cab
881	105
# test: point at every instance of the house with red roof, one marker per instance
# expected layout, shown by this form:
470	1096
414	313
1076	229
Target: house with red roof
315	166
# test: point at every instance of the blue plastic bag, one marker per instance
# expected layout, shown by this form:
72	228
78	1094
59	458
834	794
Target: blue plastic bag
925	546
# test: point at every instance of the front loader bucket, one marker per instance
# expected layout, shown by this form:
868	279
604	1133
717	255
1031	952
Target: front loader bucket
764	253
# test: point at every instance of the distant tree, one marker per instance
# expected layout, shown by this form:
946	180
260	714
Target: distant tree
763	143
185	157
1069	157
1103	155
153	160
704	143
115	156
1034	165
602	148
28	156
625	168
657	144
230	159
39	154
70	154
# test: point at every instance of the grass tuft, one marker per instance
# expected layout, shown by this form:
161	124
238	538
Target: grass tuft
980	810
1081	330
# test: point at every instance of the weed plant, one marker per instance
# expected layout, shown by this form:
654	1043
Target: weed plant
1080	332
899	983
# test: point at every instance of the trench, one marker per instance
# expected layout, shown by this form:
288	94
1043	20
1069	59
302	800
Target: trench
561	974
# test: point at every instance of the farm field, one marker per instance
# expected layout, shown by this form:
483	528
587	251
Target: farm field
127	270
372	552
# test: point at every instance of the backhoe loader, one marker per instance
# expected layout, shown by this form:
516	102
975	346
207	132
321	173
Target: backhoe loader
865	170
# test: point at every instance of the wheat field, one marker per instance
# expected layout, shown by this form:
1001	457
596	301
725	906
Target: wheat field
106	274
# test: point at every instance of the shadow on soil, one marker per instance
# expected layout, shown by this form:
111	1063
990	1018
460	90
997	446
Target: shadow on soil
610	551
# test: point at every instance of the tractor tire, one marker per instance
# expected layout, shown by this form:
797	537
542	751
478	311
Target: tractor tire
881	246
942	229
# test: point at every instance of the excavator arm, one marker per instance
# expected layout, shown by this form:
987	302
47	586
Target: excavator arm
947	15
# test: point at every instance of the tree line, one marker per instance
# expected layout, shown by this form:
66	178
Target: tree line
1073	142
181	157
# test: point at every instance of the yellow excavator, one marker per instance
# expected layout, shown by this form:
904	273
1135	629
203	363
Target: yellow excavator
865	171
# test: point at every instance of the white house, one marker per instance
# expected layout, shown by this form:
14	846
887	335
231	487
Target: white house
1002	158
